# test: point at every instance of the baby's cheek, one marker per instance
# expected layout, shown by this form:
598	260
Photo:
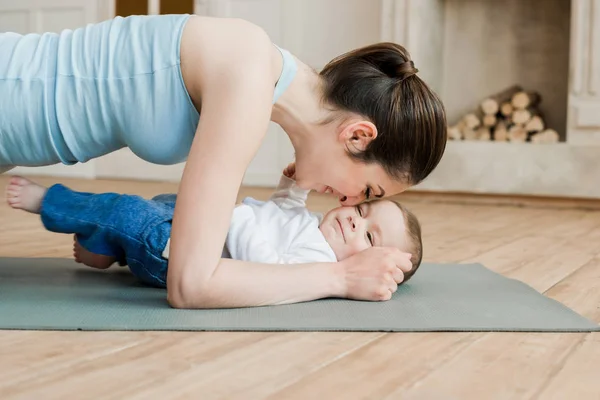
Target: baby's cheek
358	246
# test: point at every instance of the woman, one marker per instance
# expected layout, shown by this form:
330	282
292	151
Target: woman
365	127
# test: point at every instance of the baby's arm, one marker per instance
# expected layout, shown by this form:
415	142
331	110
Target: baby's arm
288	194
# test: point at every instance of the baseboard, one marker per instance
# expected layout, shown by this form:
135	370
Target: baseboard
82	171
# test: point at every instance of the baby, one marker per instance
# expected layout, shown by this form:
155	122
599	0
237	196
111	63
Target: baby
133	231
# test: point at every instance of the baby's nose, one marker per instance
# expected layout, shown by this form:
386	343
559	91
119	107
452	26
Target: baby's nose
352	221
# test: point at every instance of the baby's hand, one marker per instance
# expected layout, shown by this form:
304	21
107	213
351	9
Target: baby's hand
290	171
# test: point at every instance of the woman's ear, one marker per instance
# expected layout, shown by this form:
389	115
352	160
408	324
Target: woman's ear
357	134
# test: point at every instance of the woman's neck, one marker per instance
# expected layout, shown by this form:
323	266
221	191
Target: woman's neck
300	108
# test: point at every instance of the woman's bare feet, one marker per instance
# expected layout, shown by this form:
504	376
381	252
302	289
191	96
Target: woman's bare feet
90	259
23	194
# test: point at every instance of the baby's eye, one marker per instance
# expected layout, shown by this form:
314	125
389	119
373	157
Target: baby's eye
370	237
359	210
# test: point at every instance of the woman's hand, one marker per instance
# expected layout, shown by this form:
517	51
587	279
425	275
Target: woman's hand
374	274
290	171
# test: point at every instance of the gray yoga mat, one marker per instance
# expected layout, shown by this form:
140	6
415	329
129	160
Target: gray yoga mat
57	294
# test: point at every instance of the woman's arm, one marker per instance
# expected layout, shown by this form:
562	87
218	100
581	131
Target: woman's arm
370	275
236	87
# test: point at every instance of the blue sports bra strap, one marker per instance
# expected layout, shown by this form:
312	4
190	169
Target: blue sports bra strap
288	72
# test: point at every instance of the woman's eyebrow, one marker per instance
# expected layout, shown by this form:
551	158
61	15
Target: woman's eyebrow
380	195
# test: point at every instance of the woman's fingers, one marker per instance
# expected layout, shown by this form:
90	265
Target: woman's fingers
403	261
398	276
393	287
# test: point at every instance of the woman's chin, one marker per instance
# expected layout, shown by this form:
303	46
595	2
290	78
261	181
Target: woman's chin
304	185
314	187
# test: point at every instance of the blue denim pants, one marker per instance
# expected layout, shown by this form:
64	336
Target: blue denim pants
130	228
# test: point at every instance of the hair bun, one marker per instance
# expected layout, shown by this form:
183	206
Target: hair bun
406	70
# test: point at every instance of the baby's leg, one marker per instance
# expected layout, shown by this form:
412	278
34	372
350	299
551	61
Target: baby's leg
25	195
167	199
108	227
22	194
90	259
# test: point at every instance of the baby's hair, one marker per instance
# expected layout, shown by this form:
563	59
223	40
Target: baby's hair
413	230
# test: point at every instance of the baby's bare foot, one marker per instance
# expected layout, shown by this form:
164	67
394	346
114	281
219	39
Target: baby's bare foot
25	195
90	259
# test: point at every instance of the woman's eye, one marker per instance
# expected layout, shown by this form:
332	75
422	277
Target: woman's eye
370	237
359	210
368	193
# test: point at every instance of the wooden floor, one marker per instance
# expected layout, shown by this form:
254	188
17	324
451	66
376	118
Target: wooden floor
553	246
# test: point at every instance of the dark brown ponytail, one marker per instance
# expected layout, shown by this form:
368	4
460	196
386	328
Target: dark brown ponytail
380	83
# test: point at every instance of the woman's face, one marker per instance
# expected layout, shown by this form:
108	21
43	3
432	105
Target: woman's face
326	167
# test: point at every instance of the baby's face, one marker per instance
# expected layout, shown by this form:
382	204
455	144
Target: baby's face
349	230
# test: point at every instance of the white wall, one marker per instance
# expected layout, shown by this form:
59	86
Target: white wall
314	30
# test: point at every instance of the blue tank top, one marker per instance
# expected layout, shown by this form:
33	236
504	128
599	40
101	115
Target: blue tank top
100	88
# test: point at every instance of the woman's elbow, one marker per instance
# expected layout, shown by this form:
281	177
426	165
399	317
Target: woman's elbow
182	293
196	299
177	299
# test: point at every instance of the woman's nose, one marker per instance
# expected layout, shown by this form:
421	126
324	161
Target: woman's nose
351	200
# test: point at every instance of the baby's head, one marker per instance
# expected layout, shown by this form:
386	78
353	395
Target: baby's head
349	230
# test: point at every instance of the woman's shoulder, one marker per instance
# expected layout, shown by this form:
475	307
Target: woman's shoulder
217	45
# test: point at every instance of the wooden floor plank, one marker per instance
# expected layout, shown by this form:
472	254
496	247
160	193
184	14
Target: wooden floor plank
578	378
373	371
254	371
67	350
118	373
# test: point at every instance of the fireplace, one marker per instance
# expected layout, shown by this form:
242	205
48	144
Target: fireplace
469	50
492	45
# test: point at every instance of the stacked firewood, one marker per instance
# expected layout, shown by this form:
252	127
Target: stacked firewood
511	115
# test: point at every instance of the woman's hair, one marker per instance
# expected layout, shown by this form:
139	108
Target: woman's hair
380	83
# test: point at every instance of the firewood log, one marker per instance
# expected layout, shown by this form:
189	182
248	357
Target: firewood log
454	133
491	104
523	116
547	136
517	134
524	99
472	120
500	132
469	134
484	134
506	109
489	120
535	124
551	135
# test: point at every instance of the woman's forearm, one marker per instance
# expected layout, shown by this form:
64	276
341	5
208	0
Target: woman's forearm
243	284
236	111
